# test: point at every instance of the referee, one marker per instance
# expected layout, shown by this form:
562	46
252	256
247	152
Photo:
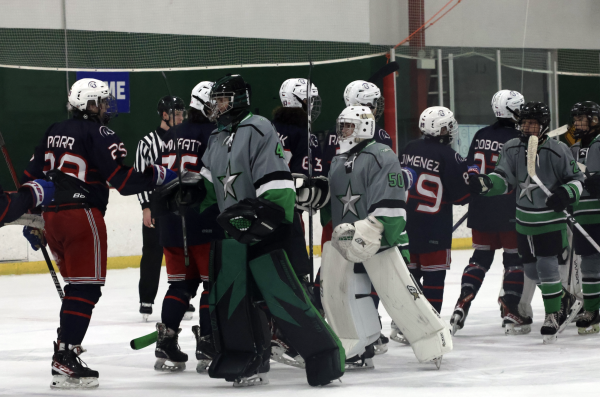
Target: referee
171	110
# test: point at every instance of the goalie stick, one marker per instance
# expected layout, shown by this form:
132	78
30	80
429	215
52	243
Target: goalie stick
43	249
310	171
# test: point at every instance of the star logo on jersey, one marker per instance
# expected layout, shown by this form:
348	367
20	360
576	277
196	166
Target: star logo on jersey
526	188
228	180
349	200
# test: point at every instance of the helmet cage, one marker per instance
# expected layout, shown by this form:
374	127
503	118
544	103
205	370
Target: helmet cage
592	111
215	110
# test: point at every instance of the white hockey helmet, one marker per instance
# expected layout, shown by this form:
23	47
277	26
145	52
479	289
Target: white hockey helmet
354	125
201	97
363	93
293	94
85	90
433	120
506	104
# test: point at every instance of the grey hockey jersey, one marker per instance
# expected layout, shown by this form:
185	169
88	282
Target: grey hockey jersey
587	211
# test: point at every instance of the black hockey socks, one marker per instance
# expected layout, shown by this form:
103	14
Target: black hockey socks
317	291
205	327
433	288
475	271
76	311
513	278
175	304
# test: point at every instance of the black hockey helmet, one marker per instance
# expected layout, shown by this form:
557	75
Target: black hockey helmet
168	104
592	111
235	89
538	111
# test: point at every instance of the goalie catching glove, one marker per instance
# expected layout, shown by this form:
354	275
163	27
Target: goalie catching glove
169	198
317	194
251	220
359	241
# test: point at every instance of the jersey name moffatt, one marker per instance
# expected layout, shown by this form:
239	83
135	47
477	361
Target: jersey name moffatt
422	162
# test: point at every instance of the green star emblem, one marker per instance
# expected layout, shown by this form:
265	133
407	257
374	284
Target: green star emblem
349	201
228	180
527	186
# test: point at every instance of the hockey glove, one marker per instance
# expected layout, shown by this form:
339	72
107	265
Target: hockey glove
317	194
592	185
35	237
251	220
171	198
41	190
473	170
360	241
410	176
162	175
479	184
561	198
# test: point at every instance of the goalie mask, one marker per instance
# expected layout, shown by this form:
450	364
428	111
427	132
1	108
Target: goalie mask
201	97
293	95
534	119
438	123
585	119
229	101
506	104
92	99
354	125
174	107
363	93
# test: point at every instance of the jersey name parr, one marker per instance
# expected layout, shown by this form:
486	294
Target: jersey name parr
422	162
59	141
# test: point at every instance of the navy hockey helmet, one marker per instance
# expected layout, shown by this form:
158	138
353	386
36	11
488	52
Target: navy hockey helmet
539	112
592	111
168	104
230	101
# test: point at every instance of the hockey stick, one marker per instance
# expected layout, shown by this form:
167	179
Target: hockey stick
460	221
18	185
384	71
531	157
34	221
558	131
144	341
310	171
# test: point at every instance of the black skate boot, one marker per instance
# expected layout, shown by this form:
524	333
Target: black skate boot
282	352
364	361
189	313
461	310
205	350
569	308
145	310
549	330
514	322
588	323
167	349
381	345
70	372
259	378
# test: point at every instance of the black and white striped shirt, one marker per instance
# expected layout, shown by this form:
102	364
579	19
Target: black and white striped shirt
146	155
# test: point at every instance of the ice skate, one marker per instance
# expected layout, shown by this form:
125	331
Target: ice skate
381	345
189	313
588	323
461	310
284	354
205	350
514	322
260	378
364	361
70	372
397	336
569	308
145	310
438	361
167	349
549	330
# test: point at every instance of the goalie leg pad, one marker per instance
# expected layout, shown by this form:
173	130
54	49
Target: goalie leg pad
428	334
297	318
240	329
346	300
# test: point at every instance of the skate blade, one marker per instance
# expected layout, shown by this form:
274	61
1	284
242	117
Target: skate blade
380	349
188	316
254	380
454	322
66	382
398	337
573	312
202	366
145	317
594	329
161	365
278	355
549	339
368	364
438	361
513	329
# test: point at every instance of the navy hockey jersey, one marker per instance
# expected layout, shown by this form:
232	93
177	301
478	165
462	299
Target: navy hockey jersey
294	142
12	206
441	182
201	228
491	214
332	147
92	153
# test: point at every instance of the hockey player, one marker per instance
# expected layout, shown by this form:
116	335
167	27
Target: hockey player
171	111
192	137
30	195
440	183
368	202
585	118
82	155
541	220
246	173
492	220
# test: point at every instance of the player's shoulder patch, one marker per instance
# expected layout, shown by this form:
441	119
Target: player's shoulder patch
104	131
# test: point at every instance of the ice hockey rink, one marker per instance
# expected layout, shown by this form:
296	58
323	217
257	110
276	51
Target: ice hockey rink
484	362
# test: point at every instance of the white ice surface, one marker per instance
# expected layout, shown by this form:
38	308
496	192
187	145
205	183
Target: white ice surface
484	362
